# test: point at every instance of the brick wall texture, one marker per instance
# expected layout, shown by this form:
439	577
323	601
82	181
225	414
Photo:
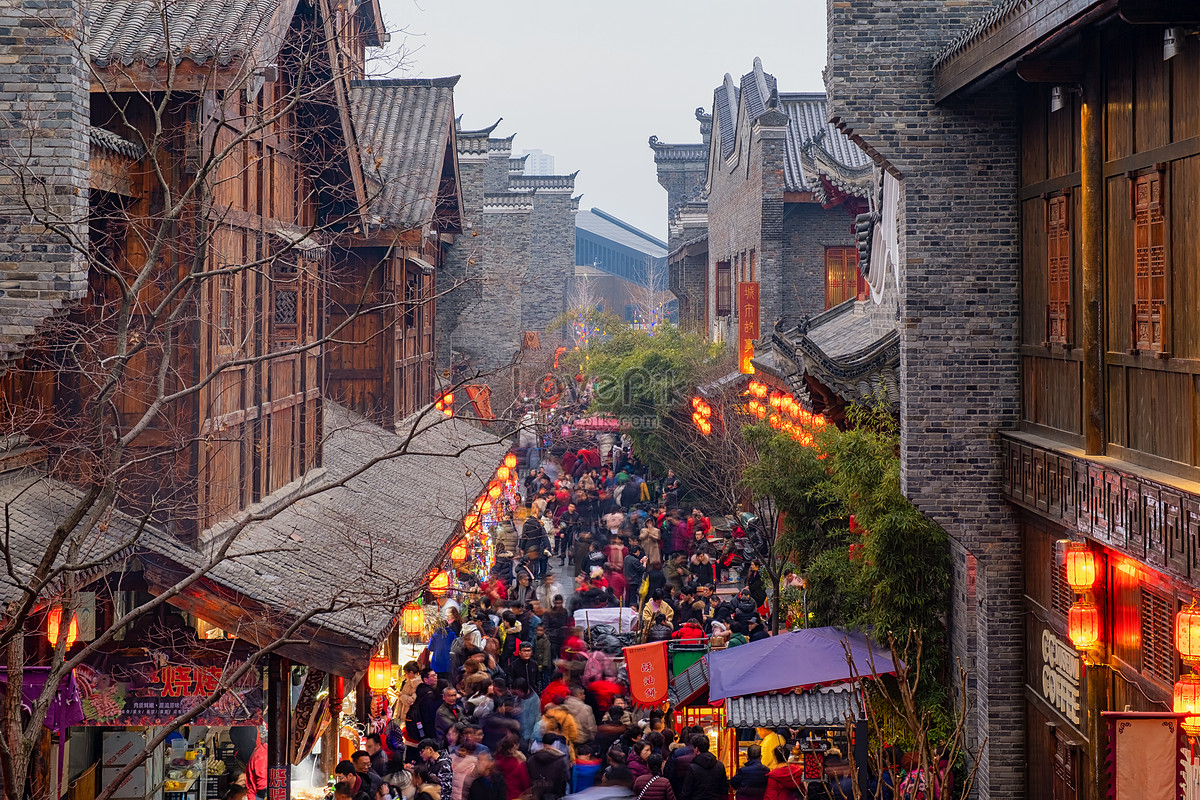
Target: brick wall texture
43	164
959	315
510	268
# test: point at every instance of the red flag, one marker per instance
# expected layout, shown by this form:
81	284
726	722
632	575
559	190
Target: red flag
646	665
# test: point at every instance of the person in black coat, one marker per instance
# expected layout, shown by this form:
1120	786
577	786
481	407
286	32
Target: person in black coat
706	778
750	782
548	770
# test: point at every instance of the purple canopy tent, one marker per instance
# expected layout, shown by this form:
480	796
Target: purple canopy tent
65	707
793	660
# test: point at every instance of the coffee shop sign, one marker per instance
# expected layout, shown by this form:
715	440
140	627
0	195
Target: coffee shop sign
1060	676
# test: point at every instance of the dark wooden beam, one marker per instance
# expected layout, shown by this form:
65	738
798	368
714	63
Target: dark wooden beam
1033	27
1032	71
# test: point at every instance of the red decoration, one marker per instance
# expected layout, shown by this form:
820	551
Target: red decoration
412	620
1186	700
1187	634
54	626
459	551
510	461
439	582
646	665
379	673
1083	625
1082	567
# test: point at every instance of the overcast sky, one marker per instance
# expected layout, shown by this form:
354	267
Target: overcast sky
589	81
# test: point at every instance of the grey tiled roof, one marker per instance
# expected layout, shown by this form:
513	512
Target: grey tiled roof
824	707
815	146
123	32
403	127
981	28
665	151
107	140
365	545
35	505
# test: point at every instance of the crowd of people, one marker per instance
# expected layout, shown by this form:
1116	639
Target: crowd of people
511	700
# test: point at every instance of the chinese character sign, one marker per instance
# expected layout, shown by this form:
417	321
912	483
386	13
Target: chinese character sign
748	324
646	665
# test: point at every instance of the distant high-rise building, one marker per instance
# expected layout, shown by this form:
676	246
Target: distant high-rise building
538	163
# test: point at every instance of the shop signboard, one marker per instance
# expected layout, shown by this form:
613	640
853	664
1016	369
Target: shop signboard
748	324
155	686
646	665
1056	673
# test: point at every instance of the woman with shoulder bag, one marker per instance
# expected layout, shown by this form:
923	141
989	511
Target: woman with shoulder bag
653	786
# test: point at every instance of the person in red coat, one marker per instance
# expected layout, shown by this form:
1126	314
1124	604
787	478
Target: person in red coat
786	781
555	692
690	630
512	766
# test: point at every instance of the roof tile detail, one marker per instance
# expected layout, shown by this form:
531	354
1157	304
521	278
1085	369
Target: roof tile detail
403	128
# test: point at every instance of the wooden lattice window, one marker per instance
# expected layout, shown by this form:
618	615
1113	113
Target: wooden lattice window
1058	269
724	289
1149	263
227	312
841	275
1158	654
285	301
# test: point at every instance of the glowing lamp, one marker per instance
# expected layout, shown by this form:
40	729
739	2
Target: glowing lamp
494	490
439	582
54	627
445	404
502	474
775	400
510	461
379	673
412	620
1186	700
485	506
459	551
1083	625
1187	634
775	421
1081	567
471	522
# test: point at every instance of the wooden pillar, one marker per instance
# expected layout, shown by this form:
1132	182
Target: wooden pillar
331	739
1092	250
279	689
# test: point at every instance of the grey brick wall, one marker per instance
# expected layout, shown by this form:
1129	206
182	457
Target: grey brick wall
959	323
514	263
43	163
808	230
683	181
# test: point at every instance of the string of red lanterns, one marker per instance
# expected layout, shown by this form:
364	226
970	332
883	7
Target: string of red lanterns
1185	699
702	415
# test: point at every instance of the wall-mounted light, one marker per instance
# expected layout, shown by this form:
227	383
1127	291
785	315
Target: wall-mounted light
1172	41
1058	98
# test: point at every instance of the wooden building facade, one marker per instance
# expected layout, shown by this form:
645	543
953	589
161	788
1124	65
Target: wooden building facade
1107	456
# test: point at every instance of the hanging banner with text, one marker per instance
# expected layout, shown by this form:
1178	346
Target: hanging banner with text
152	686
748	324
646	665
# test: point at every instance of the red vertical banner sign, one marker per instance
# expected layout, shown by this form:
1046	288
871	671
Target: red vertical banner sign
646	665
748	324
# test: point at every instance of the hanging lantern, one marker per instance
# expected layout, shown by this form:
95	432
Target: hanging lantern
439	582
502	474
54	627
379	673
1081	567
1083	625
459	551
494	490
1187	634
471	523
510	461
1186	700
485	506
412	620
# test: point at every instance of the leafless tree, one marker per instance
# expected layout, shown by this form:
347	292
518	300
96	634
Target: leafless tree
179	404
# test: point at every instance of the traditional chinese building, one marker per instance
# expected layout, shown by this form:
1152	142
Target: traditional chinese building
1047	395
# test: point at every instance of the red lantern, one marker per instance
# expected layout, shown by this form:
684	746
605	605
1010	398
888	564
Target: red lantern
1187	634
510	461
1082	567
412	620
54	627
445	404
485	506
1083	625
494	490
471	522
379	673
439	582
1186	700
459	551
502	473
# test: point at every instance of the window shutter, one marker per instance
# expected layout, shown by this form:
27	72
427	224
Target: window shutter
1058	270
1150	263
724	289
1158	654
